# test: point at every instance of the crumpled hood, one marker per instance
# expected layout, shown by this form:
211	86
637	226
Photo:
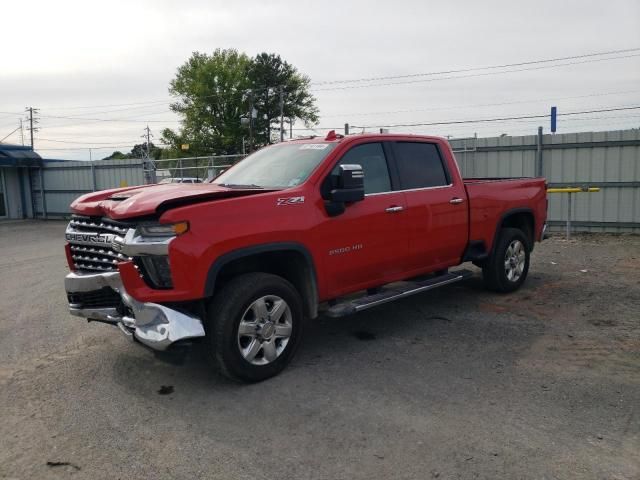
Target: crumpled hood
121	203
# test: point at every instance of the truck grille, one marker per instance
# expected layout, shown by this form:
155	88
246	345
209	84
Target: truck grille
87	252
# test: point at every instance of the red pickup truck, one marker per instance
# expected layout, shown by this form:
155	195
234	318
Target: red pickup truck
330	225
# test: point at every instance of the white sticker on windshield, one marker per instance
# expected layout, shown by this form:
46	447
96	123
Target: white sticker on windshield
314	146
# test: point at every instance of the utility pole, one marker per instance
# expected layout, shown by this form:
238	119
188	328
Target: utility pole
33	112
250	121
21	133
266	114
147	136
346	129
147	165
281	113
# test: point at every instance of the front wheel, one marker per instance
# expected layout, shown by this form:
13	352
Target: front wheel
507	268
254	326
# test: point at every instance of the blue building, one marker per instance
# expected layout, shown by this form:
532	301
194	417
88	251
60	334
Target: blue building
18	165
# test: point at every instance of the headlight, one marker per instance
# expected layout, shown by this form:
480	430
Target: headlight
156	270
163	230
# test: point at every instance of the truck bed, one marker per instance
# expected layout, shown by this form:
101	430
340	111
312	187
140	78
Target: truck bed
492	198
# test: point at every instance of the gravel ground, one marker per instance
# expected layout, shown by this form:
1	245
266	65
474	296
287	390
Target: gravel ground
454	383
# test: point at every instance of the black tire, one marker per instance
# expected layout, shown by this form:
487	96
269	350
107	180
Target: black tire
494	270
225	313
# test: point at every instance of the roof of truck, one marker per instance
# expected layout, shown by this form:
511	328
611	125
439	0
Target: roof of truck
333	137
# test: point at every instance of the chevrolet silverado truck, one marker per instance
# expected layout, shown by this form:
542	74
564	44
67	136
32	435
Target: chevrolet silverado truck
330	226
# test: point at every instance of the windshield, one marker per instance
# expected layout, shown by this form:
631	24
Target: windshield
278	166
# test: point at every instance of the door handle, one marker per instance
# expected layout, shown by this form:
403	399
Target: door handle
394	209
456	200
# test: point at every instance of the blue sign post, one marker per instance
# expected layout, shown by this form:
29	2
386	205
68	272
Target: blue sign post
554	115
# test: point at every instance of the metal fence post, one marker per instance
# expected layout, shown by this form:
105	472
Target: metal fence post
44	200
93	177
569	195
539	153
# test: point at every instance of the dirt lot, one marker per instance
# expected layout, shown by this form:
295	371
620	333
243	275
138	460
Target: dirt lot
455	383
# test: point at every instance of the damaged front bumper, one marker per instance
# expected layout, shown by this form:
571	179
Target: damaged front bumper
92	295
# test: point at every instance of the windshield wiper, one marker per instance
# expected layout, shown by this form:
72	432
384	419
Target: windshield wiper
238	185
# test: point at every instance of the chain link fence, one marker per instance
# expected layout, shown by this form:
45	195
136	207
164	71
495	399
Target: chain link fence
187	170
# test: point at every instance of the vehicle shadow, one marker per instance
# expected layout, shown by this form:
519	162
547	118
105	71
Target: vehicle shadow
327	342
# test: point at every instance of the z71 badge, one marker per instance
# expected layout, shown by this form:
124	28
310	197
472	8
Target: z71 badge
290	201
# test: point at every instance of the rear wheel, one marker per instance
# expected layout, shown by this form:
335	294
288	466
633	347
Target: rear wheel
254	326
507	268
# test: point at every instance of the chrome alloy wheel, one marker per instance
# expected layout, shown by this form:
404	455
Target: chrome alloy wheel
514	260
265	330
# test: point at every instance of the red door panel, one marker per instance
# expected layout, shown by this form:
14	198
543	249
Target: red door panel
436	206
437	227
366	245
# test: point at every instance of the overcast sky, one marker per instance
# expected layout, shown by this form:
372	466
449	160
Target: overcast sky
92	60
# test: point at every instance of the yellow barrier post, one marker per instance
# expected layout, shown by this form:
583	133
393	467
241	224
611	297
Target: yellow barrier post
570	191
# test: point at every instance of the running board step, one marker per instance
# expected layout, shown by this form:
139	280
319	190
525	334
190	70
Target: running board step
394	293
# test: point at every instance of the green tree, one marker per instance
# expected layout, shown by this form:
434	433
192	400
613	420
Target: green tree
211	99
216	91
117	155
138	151
270	76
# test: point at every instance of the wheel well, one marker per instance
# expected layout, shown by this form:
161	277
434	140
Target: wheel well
523	221
288	264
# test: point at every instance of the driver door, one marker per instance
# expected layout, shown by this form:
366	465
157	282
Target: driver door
367	245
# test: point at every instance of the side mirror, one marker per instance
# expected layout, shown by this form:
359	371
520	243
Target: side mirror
350	185
347	188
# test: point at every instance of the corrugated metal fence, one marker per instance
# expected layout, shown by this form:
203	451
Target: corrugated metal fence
60	182
609	160
63	181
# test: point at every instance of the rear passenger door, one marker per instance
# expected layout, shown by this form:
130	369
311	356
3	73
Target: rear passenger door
437	213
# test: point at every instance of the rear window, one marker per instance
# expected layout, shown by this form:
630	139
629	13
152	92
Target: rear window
419	165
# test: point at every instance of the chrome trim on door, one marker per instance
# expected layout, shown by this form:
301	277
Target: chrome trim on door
409	190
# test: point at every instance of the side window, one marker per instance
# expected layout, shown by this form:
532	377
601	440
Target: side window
419	165
374	163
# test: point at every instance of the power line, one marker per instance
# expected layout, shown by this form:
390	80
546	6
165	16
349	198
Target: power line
483	74
78	143
483	120
122	120
499	104
519	124
6	115
126	109
87	148
14	131
382	78
133	119
470	69
113	105
356	83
